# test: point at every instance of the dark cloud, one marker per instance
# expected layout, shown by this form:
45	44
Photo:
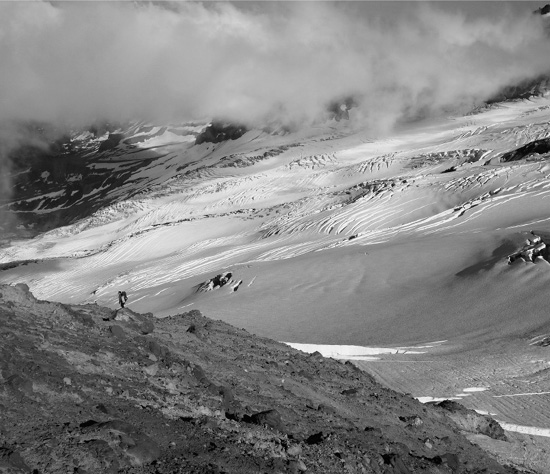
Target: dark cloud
79	62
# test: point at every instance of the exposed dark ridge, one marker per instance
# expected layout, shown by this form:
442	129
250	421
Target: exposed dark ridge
339	109
536	147
218	132
534	247
543	10
111	142
525	89
55	178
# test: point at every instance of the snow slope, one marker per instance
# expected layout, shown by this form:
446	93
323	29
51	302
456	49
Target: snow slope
375	230
335	237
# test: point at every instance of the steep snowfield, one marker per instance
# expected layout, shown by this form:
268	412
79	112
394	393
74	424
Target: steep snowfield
373	230
336	238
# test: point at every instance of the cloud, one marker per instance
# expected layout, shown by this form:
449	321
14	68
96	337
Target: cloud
75	63
12	136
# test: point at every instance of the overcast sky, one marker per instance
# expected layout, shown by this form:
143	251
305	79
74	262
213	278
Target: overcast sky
76	62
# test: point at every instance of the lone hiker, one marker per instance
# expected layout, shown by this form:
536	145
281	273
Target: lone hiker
122	298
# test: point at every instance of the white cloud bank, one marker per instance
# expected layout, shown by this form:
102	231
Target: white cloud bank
79	62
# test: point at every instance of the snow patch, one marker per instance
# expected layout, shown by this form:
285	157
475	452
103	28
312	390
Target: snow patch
349	352
530	430
527	394
436	399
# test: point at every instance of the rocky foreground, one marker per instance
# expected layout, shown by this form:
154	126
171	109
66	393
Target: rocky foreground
84	389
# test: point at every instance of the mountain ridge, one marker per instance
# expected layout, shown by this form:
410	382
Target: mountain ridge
87	389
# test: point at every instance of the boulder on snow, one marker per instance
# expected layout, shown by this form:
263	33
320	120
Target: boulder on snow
216	282
218	132
534	247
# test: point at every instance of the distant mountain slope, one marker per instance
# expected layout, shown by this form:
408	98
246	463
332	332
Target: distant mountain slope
82	392
57	179
533	87
283	212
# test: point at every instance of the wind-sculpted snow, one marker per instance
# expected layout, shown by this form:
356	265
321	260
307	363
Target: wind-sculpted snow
313	162
455	157
506	138
180	213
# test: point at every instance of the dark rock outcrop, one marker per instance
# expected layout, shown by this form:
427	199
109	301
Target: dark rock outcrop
111	142
534	247
218	132
532	149
216	282
57	179
533	87
545	10
339	109
471	421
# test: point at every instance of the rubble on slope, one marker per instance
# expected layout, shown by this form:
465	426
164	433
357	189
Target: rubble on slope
81	392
